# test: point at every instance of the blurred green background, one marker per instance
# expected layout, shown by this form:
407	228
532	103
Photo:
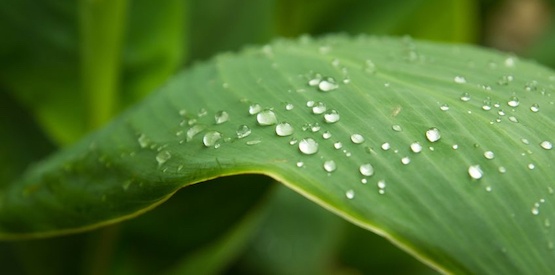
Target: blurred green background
67	67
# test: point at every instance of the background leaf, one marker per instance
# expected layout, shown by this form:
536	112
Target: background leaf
389	91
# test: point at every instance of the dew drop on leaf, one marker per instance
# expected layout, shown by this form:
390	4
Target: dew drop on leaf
308	146
211	138
193	131
243	131
221	117
475	172
328	84
444	107
350	194
366	169
300	164
310	104
143	141
465	97
357	138
531	166
330	166
489	155
284	129
319	108
459	79
254	109
513	102
547	145
162	157
396	128
433	134
266	117
332	116
416	147
289	107
326	135
338	145
405	160
535	108
386	146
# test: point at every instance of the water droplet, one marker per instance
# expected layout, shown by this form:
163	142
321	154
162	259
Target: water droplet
308	146
502	170
513	102
505	80
284	129
202	112
535	210
547	145
366	169
310	104
253	142
488	188
405	160
330	166
357	138
338	145
509	61
162	157
465	97
314	127
386	146
289	107
433	134
444	107
396	128
475	172
332	116
243	131
315	80
300	164
489	155
535	108
531	166
501	112
143	141
193	131
525	141
293	141
513	119
416	147
221	117
326	135
455	146
486	105
381	184
328	84
350	194
211	138
266	117
459	79
255	109
319	108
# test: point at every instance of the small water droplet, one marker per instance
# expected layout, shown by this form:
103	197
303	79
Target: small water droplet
314	127
284	129
254	109
433	134
211	138
535	210
332	116
193	131
455	146
289	107
310	104
366	169
221	117
328	84
405	160
338	145
326	135
143	141
475	172
315	80
386	146
489	155
513	101
547	145
525	141
308	146
253	142
459	79
535	108
465	97
505	80
513	119
502	170
202	112
444	107
293	141
266	117
396	128
350	194
501	112
300	164
531	166
416	147
488	188
319	108
381	184
243	131
162	157
486	105
330	166
357	138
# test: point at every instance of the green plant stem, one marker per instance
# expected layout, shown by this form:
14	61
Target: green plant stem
102	26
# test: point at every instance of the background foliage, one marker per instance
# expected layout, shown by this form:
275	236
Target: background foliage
67	67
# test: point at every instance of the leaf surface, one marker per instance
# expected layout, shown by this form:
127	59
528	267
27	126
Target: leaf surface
476	197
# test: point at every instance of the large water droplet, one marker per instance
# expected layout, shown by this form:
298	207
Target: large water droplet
162	157
211	138
547	145
284	129
416	147
319	108
330	166
433	134
475	172
513	102
328	84
308	146
221	117
350	194
243	131
266	117
366	169
357	138
255	109
459	79
331	116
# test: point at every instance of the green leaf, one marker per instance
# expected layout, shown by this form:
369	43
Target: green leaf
455	206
